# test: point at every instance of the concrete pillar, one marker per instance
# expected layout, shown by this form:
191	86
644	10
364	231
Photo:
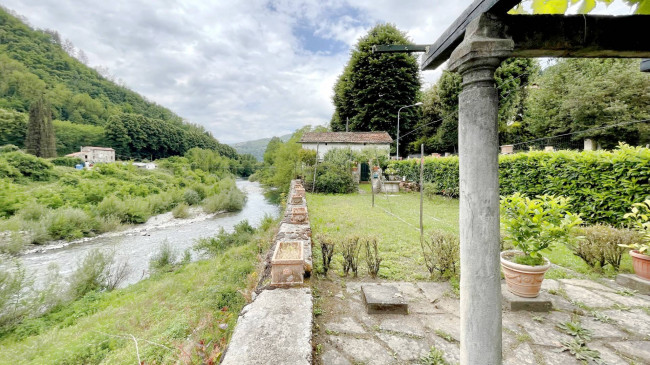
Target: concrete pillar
476	58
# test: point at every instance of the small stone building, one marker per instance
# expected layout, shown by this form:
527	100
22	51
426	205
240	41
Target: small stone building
93	155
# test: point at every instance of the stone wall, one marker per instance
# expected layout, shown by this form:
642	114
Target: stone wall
276	327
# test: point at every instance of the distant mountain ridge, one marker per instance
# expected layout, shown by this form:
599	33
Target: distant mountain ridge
256	147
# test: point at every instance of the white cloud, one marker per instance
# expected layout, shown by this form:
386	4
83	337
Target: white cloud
240	68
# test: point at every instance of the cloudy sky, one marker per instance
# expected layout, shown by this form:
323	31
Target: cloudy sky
243	69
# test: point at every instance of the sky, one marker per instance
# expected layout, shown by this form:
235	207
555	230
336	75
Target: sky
243	69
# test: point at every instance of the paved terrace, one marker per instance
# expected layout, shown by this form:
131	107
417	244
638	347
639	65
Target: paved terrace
345	334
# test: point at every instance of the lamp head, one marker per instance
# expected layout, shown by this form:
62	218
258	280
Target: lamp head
645	65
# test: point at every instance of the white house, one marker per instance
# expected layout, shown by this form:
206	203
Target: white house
357	141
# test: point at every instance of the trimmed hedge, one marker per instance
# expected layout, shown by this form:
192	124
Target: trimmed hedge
602	185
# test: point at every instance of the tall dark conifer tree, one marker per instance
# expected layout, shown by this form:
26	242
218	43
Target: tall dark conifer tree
40	140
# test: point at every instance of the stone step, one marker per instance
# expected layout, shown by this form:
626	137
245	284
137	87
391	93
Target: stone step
381	299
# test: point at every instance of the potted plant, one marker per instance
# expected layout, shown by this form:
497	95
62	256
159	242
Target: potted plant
532	225
640	252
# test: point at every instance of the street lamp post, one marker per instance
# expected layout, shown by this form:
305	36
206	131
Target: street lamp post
400	109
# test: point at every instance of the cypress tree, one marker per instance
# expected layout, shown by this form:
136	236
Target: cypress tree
40	140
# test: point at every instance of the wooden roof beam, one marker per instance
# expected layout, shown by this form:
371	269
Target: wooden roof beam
578	35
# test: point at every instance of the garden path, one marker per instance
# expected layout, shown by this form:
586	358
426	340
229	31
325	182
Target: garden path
618	319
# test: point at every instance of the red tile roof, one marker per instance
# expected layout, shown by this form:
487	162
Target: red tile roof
346	137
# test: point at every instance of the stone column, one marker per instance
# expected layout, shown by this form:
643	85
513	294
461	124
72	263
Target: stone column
481	52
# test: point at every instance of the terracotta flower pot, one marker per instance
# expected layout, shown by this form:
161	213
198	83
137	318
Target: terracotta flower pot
523	280
641	264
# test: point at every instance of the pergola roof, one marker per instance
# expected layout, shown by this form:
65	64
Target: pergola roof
440	51
547	35
346	137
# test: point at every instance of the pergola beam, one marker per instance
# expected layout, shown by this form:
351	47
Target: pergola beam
578	35
440	51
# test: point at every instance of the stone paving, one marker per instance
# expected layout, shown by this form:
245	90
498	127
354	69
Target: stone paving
619	321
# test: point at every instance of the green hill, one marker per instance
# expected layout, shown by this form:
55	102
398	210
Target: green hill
33	62
256	147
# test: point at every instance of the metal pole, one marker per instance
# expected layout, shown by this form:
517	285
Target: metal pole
347	121
421	190
313	186
372	187
397	148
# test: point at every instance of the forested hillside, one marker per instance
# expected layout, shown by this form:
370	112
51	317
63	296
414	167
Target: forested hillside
36	62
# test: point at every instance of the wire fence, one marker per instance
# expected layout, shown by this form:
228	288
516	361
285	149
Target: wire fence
570	141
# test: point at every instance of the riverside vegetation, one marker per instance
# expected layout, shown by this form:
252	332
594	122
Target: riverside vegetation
40	200
184	313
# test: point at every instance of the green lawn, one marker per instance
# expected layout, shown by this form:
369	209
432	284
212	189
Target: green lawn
170	315
395	221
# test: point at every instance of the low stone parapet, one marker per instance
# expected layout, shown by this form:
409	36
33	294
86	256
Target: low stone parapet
276	327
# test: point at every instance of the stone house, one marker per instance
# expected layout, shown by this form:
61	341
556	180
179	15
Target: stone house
93	155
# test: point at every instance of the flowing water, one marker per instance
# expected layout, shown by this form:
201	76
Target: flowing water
137	246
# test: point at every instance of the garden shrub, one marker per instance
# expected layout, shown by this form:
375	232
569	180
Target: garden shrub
601	184
331	179
598	245
67	161
350	248
372	255
441	251
327	250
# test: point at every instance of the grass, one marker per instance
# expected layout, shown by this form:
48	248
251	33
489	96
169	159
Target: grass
395	222
170	315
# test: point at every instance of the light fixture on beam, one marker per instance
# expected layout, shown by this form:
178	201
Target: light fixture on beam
645	65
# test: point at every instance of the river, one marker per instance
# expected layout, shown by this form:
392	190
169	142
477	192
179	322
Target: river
137	245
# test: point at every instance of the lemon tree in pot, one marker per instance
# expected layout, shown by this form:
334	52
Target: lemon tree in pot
640	216
532	225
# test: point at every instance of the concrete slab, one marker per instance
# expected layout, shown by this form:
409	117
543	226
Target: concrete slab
381	299
407	349
634	282
541	303
275	328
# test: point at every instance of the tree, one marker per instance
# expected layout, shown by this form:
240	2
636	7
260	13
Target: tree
579	94
438	127
373	86
40	140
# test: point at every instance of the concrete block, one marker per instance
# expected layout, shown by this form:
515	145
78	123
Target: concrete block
542	303
634	282
380	299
